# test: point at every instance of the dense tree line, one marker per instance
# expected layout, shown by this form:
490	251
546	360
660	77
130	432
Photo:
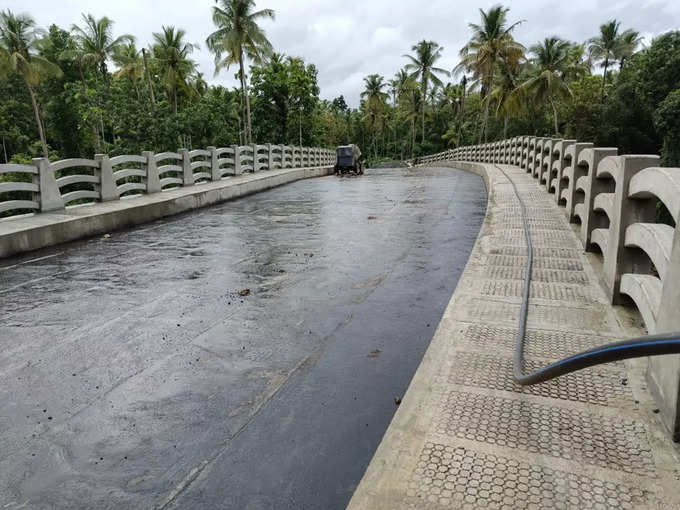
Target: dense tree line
501	89
85	89
79	90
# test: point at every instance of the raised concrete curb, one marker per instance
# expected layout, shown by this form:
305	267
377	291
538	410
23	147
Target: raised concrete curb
466	436
27	233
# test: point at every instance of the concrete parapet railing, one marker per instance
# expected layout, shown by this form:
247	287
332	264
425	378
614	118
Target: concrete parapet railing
48	186
614	201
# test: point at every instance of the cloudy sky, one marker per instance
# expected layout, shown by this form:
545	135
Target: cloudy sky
348	39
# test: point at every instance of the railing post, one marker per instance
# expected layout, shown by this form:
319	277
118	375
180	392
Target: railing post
256	162
526	147
50	196
214	165
663	372
575	172
558	166
153	181
107	188
270	164
187	172
237	159
538	158
591	186
623	211
531	153
548	160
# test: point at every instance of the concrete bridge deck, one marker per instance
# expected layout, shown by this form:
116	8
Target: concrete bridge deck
466	436
134	375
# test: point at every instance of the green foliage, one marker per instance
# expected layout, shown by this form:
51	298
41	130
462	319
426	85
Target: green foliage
60	99
285	101
582	111
667	121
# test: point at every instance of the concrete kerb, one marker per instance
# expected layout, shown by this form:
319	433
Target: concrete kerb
32	232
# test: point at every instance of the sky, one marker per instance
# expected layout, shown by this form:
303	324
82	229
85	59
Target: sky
349	39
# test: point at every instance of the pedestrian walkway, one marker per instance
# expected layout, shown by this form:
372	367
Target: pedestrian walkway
466	436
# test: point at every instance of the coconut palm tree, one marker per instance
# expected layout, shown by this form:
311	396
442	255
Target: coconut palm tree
96	42
423	69
147	73
130	64
491	43
604	47
463	96
171	52
554	66
503	93
238	36
411	106
401	81
374	97
629	40
19	39
198	85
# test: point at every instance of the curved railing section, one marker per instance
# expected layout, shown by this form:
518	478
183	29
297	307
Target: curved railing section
22	192
51	186
614	201
624	207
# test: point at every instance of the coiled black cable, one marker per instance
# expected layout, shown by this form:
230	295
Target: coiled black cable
651	345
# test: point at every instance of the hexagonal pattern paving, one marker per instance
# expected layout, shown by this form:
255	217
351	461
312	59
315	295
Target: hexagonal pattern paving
550	430
596	385
456	477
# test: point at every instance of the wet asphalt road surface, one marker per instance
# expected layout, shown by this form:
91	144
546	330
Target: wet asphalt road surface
134	375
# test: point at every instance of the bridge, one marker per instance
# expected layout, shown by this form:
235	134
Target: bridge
262	362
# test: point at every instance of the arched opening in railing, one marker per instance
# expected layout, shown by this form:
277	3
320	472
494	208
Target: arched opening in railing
200	164
19	189
169	171
130	175
78	180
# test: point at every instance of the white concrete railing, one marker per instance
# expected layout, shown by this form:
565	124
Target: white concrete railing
614	200
55	185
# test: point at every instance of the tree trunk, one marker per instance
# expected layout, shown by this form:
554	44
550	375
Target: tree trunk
486	119
38	121
462	116
413	139
174	99
148	77
604	78
423	102
554	109
95	131
485	125
244	88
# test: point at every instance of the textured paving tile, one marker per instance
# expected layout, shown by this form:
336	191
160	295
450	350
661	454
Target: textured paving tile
467	436
597	385
454	477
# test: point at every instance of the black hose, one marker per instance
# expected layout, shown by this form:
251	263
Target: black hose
651	345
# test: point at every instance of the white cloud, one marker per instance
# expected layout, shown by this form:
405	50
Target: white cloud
349	39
